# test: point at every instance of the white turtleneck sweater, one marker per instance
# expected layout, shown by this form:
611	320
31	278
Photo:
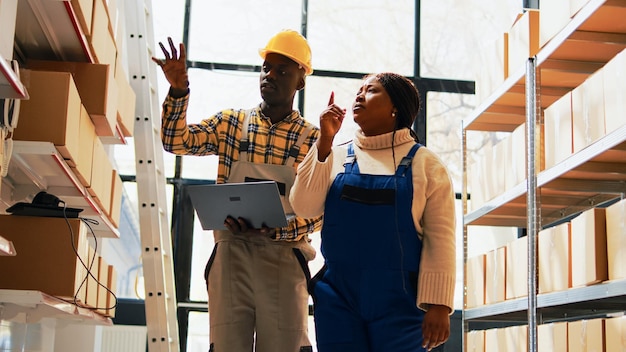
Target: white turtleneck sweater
433	202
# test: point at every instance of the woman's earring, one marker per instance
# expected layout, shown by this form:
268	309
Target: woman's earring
393	114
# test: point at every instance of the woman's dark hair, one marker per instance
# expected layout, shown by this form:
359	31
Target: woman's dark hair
404	96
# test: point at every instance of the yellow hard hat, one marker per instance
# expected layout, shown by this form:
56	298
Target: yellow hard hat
292	45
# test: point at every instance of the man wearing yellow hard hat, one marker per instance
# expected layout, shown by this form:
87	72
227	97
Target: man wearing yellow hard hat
256	278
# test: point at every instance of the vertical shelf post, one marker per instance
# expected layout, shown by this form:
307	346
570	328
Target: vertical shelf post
465	324
532	199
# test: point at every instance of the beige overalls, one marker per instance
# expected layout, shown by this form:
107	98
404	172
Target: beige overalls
258	286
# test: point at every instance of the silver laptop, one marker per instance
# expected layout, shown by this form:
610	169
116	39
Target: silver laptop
257	202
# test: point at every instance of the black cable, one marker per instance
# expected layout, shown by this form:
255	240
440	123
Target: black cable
87	222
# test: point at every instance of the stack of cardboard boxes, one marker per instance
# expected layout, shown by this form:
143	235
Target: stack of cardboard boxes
80	107
590	248
58	257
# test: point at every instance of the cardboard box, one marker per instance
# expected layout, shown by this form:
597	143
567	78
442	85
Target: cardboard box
113	13
83	166
83	10
555	15
126	102
575	6
588	111
614	92
486	175
552	337
615	334
523	40
92	283
46	259
111	294
495	268
52	114
504	341
497	173
117	189
101	177
516	268
589	257
475	269
103	288
616	240
518	155
101	39
513	338
494	67
492	340
475	341
120	35
476	191
558	144
554	258
507	150
585	335
96	87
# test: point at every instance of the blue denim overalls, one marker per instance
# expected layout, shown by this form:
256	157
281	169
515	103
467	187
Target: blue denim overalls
365	295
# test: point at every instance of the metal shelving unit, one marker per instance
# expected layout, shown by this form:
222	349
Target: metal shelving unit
51	30
10	85
592	177
29	306
607	297
37	166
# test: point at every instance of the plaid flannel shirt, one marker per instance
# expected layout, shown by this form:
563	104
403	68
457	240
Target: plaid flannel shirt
220	135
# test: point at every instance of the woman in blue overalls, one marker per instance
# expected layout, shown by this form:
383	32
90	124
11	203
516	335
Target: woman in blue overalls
388	237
